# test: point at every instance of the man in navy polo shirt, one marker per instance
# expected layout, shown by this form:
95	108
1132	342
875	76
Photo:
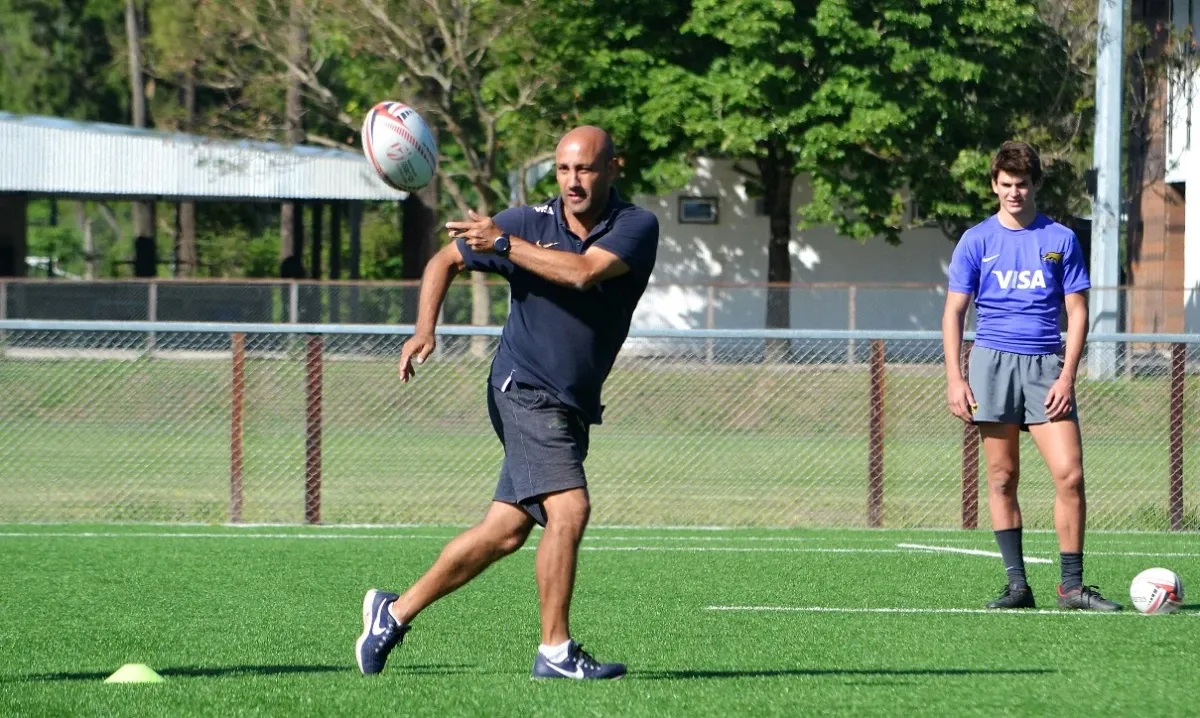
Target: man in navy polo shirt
577	266
1024	269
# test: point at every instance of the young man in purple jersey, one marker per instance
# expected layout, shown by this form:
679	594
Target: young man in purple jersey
1023	268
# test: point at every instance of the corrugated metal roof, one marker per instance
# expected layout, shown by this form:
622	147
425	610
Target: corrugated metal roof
52	155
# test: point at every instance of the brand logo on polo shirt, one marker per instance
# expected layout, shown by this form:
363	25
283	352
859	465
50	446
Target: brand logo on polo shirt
543	208
1052	257
1024	279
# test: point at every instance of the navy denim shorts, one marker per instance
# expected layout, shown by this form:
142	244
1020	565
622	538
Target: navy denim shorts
545	443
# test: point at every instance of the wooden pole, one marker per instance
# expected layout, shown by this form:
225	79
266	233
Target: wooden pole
875	441
970	462
312	442
237	414
1175	438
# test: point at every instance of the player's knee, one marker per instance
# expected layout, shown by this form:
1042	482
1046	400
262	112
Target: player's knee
569	514
1069	481
510	541
1002	479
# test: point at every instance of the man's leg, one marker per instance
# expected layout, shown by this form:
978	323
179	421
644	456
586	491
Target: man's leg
1062	449
1002	453
386	616
502	531
566	518
566	514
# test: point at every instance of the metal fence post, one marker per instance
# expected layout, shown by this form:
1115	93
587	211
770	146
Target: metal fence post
151	313
1175	439
852	321
710	321
236	419
3	316
312	439
970	461
875	438
293	302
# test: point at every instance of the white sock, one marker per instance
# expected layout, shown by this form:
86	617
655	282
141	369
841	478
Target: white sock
555	654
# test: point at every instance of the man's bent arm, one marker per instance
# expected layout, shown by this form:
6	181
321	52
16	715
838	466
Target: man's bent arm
435	282
577	271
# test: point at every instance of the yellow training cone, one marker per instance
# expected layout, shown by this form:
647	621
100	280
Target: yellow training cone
135	673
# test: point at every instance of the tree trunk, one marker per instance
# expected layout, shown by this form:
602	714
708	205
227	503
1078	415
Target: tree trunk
291	239
143	212
84	222
335	260
186	257
778	176
481	300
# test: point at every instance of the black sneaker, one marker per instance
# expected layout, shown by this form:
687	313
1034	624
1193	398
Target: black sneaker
1086	598
1015	595
578	665
381	633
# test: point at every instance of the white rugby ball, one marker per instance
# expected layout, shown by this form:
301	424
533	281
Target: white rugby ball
399	145
1156	590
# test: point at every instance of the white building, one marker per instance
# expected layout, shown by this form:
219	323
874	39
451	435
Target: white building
847	277
1182	172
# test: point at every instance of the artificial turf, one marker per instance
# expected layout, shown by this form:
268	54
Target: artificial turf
262	620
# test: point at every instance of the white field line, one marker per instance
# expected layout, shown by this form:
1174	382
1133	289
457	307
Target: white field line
922	611
901	548
743	549
352	537
967	552
169	534
885	535
1151	554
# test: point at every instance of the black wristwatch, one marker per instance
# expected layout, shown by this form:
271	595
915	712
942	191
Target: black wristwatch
501	244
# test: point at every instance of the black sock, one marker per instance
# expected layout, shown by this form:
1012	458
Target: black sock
1072	570
1009	541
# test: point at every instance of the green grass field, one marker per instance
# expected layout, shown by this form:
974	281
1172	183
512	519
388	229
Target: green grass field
261	621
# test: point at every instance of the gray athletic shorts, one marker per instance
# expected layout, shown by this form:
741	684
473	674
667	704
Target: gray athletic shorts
545	444
1011	388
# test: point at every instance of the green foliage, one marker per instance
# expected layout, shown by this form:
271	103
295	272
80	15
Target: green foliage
56	58
882	105
610	61
890	109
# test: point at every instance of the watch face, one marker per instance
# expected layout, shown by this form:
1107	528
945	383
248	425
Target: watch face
501	244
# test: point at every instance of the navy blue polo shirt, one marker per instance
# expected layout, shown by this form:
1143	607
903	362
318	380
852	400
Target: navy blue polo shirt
557	338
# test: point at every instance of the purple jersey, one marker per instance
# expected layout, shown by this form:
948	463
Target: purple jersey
1019	278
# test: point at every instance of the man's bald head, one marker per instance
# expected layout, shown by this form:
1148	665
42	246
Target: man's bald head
587	167
589	138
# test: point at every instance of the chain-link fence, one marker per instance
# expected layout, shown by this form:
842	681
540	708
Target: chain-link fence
870	306
266	423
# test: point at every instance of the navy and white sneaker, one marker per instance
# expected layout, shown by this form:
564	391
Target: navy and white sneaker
381	633
578	665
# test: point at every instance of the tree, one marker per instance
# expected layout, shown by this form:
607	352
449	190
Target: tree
291	215
605	62
882	106
174	52
58	59
143	212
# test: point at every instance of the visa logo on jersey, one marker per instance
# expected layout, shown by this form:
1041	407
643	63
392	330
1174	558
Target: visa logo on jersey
1025	279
